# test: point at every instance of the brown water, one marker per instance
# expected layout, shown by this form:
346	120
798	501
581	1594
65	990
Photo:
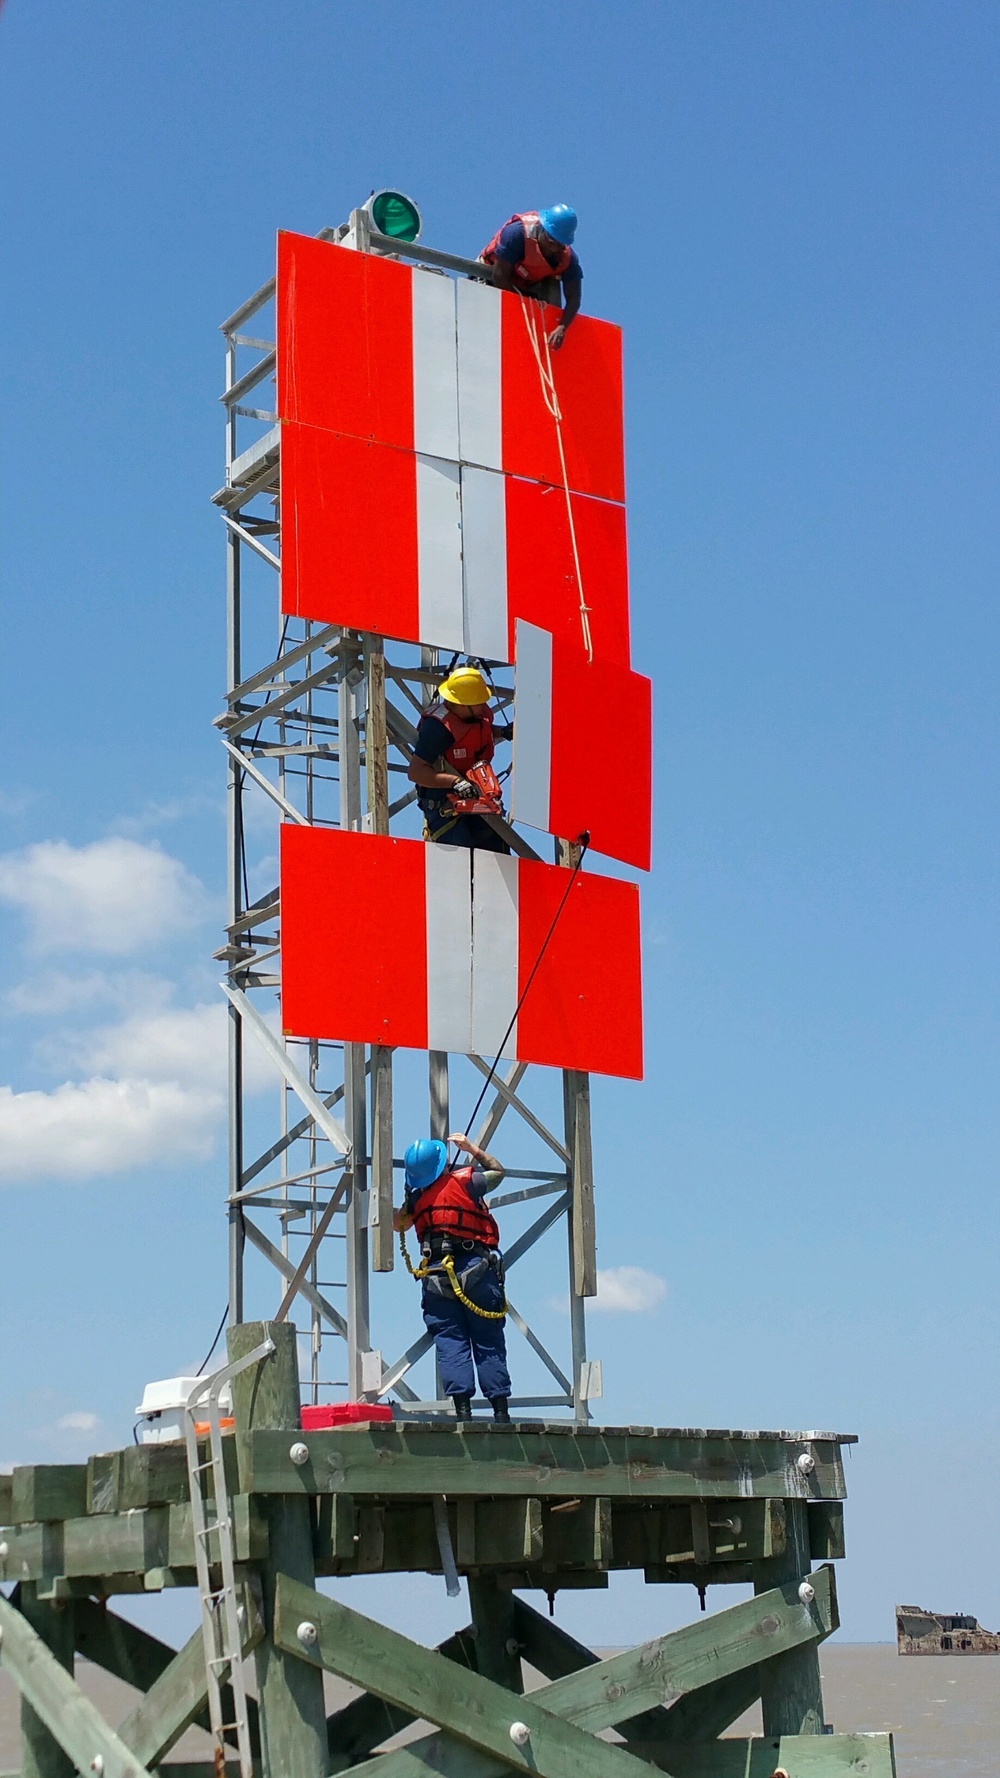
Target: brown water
944	1710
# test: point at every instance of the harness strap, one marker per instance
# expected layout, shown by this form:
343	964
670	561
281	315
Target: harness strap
448	1265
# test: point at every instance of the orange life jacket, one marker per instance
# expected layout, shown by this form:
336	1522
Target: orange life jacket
471	742
448	1208
534	266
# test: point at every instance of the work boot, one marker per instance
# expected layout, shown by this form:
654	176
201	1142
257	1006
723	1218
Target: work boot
501	1412
463	1407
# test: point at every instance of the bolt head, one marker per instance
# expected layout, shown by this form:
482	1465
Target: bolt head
807	1592
519	1733
4	1551
97	1764
806	1463
308	1635
299	1453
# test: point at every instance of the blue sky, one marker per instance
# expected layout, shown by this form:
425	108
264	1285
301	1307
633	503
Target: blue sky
791	211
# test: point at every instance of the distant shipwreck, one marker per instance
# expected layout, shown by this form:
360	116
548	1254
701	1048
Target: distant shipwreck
920	1632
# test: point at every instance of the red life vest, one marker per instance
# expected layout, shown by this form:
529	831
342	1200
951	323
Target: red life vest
448	1208
471	742
534	266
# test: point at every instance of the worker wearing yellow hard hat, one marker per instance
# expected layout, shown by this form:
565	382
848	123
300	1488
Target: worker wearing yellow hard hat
457	788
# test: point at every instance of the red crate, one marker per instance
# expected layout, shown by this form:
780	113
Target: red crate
342	1413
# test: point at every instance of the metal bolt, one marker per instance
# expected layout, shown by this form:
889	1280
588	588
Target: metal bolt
512	1645
807	1592
97	1765
4	1551
806	1463
299	1454
520	1734
308	1635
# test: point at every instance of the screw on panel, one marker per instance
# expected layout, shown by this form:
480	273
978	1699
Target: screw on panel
97	1765
519	1733
807	1592
806	1463
299	1454
308	1635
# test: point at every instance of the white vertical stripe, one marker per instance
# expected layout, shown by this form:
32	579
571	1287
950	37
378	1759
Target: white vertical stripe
449	948
479	412
435	366
532	772
494	952
439	553
484	563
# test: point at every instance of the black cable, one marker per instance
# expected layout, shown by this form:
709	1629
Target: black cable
215	1342
574	873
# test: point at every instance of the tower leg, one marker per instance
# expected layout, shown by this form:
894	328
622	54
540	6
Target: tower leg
791	1692
292	1711
497	1653
41	1754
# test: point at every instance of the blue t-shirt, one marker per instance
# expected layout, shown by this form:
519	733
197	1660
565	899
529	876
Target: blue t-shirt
511	248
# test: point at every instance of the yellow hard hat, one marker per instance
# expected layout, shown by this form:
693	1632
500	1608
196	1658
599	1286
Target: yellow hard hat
465	686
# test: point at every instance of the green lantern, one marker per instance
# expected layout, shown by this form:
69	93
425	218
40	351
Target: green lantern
395	215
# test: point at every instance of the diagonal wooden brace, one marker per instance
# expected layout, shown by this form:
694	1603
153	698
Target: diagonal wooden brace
177	1698
362	1725
57	1700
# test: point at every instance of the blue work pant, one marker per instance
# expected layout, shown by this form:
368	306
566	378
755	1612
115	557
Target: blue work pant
460	1336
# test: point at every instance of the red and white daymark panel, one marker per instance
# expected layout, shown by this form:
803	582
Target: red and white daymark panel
583	747
431	947
413	547
406	357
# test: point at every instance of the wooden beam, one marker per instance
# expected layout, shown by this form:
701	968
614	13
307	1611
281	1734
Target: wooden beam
497	1648
803	1756
471	1708
553	1652
612	1693
791	1687
58	1702
826	1531
48	1491
382	1232
178	1697
290	1695
583	1227
488	1460
120	1647
42	1755
362	1725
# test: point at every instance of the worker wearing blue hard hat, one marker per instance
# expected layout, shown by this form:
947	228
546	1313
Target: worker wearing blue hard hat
460	1270
533	247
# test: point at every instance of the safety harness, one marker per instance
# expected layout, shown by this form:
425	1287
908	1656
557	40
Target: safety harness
447	1209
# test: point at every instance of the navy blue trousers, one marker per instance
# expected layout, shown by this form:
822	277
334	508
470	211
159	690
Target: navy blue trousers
461	1337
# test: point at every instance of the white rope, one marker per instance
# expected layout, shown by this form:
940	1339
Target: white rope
536	334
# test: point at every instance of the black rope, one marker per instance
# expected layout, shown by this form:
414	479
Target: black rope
574	873
215	1342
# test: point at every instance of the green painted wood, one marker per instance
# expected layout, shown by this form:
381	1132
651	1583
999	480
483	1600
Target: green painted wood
153	1475
403	1459
801	1756
709	1710
578	1532
104	1481
791	1688
6	1498
498	1533
119	1646
104	1545
498	1650
48	1491
826	1531
177	1698
58	1702
42	1756
335	1539
362	1725
553	1652
290	1693
471	1708
115	1543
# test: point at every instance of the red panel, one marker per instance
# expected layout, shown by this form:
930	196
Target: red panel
353	937
345	340
541	572
602	755
588	378
584	1008
349	520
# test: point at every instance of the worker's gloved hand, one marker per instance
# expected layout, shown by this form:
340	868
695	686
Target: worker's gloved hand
462	788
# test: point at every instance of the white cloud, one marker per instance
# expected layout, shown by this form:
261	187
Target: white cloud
56	991
628	1290
103	1126
113	895
183	1044
77	1422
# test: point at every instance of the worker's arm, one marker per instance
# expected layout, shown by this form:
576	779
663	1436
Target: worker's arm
488	1162
428	777
571	308
503	275
401	1219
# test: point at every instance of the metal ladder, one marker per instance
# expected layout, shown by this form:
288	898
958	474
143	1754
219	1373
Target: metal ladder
211	1514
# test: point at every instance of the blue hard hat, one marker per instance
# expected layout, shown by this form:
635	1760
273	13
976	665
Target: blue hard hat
560	223
425	1161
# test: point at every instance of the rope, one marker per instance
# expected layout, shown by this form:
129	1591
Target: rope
448	1265
574	873
539	340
